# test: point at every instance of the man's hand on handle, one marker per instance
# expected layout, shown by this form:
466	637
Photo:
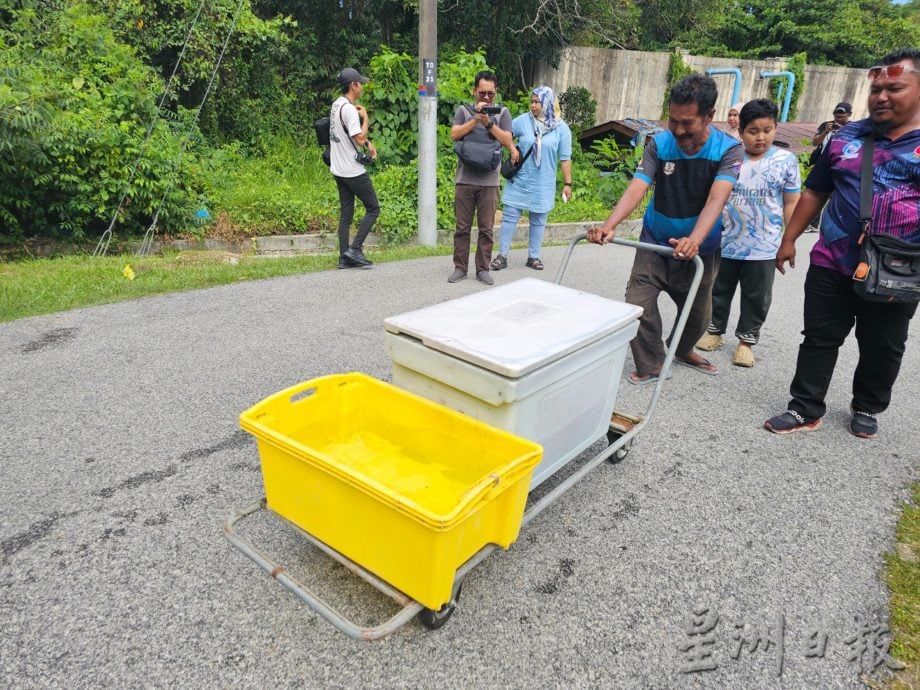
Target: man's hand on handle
601	234
684	248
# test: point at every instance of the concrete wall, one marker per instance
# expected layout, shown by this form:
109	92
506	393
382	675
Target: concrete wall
628	83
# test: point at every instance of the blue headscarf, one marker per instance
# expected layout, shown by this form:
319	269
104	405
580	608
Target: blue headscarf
550	121
546	96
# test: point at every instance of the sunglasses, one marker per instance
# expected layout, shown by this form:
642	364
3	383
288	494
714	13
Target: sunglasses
889	71
486	94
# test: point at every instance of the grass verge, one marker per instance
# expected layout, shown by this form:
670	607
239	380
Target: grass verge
43	286
902	574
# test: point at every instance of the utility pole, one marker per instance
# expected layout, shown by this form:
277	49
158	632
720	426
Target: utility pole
428	123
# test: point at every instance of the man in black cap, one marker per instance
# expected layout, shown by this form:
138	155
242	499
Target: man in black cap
822	138
842	112
348	129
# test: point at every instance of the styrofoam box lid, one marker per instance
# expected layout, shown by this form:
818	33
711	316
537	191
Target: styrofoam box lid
515	328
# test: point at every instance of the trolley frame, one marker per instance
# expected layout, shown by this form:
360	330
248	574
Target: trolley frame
623	428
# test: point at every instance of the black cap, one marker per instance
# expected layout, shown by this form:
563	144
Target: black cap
843	107
348	75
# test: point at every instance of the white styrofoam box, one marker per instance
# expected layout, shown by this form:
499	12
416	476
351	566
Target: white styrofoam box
534	358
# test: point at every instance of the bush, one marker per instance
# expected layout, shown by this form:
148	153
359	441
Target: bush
285	188
74	109
282	188
578	108
618	163
391	99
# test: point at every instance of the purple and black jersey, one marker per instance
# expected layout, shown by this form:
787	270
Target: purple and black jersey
895	193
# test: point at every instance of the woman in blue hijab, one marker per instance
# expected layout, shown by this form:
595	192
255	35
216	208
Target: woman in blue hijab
547	142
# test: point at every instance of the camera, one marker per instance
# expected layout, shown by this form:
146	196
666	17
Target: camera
363	158
490	109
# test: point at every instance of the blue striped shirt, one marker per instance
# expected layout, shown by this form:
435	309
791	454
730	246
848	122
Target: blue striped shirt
682	185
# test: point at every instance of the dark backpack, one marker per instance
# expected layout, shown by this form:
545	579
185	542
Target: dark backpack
322	126
322	130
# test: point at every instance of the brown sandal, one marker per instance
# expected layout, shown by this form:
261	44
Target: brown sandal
535	264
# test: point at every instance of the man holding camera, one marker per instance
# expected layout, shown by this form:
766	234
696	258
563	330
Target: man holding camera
826	130
476	188
348	129
822	138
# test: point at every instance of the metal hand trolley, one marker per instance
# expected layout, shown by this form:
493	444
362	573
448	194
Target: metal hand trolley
623	428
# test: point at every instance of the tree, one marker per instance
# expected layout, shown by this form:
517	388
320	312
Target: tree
578	108
516	34
75	105
851	34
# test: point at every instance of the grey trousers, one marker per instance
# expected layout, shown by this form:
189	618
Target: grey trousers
756	280
652	274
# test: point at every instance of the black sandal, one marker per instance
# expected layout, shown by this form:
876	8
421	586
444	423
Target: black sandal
498	263
535	264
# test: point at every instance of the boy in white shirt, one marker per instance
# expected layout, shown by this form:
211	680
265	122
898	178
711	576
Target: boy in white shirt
761	203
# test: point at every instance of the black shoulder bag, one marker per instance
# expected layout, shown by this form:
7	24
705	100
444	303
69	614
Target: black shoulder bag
888	268
510	169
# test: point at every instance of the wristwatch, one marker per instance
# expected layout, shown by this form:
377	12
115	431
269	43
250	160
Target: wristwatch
489	124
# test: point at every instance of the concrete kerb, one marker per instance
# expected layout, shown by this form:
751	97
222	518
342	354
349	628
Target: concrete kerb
292	245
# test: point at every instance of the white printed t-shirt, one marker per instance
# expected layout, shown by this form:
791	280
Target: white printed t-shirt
752	221
342	153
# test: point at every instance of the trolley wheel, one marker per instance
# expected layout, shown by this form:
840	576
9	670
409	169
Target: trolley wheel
619	455
436	619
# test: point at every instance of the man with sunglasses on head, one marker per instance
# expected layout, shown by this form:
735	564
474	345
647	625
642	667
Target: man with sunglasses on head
832	307
476	190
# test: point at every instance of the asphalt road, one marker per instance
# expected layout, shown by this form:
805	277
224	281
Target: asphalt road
122	457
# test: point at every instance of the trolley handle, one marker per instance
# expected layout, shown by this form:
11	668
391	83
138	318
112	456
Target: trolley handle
682	316
644	246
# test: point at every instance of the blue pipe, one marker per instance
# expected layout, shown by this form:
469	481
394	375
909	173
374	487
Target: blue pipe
789	84
736	89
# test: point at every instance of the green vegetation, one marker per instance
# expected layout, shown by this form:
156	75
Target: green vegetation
903	578
82	82
44	286
677	70
288	189
578	108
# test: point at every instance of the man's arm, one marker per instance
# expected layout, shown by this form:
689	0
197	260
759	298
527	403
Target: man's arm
361	137
687	247
808	207
631	198
818	138
458	131
505	138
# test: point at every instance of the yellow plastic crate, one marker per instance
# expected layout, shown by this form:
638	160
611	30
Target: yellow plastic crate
404	487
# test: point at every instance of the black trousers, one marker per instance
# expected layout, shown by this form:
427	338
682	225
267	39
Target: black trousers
831	309
756	280
349	188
